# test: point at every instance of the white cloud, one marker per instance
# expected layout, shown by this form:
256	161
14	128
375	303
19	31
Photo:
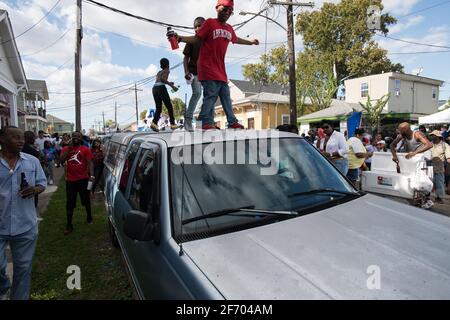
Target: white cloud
399	7
402	26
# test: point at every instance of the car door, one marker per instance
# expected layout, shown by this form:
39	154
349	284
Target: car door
121	206
153	275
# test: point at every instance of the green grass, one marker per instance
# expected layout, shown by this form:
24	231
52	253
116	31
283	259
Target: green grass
103	274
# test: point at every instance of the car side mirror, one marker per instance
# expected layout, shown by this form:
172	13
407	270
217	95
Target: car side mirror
138	226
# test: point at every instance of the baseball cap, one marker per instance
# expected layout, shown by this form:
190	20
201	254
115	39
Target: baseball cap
382	142
225	3
436	133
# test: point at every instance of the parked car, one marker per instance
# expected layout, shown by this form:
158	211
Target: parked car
239	217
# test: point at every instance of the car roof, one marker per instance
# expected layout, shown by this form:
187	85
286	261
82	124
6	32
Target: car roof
182	138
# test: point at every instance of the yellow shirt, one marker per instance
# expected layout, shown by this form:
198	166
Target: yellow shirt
355	146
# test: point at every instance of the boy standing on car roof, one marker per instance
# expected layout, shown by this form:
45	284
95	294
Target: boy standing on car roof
216	35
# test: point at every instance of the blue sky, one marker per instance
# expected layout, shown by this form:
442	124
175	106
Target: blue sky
110	60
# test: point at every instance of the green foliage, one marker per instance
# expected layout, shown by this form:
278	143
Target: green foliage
110	124
339	34
179	107
272	68
373	115
316	80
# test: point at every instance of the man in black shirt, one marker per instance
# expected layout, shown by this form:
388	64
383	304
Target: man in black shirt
191	53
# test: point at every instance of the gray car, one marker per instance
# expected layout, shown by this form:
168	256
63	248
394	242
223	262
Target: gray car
262	215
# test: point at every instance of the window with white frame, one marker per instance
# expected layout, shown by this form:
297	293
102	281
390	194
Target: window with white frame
285	119
364	90
397	87
434	93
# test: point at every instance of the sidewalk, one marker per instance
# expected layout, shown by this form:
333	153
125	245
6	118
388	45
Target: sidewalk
44	200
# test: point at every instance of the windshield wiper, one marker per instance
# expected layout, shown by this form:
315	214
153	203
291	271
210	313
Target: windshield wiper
231	211
346	193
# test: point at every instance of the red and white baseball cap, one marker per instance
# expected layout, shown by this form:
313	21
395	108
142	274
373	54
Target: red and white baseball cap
225	3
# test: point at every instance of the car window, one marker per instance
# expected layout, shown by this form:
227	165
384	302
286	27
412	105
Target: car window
206	188
143	192
129	160
111	155
119	158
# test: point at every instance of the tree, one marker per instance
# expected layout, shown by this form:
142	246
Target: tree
316	80
272	68
110	124
339	33
374	111
179	107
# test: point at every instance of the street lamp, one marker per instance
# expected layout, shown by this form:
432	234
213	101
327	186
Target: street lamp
244	13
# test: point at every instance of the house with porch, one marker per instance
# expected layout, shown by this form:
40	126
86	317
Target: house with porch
34	102
57	125
12	74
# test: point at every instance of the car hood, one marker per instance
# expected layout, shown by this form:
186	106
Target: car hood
368	248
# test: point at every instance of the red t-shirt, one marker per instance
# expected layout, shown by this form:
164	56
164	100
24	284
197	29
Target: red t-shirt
216	37
77	167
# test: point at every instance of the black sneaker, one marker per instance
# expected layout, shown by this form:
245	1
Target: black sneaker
68	231
439	200
90	221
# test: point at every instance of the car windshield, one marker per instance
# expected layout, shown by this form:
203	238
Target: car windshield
211	195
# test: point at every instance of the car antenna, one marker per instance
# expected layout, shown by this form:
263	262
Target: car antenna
181	253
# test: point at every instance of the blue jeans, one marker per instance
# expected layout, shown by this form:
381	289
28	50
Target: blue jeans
353	174
22	250
211	91
196	95
342	165
439	184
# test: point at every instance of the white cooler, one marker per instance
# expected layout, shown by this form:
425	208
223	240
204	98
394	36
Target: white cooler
384	179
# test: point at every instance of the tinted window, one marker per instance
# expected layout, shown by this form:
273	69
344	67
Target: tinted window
119	158
205	188
131	155
111	155
143	188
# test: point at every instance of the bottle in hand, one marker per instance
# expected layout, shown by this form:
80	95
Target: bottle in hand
172	39
23	182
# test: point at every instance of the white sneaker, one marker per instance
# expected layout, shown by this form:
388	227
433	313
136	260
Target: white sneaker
428	205
50	182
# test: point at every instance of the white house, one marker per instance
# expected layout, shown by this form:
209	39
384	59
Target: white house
12	74
410	95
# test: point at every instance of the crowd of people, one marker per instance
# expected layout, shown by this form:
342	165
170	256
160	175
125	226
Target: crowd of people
354	155
27	166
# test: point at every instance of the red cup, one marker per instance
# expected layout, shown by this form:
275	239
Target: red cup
173	42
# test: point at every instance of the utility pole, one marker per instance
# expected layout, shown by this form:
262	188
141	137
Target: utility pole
115	115
104	124
291	48
79	37
137	106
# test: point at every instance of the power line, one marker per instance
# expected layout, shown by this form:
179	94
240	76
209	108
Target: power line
39	51
164	24
35	24
418	52
413	42
424	9
59	68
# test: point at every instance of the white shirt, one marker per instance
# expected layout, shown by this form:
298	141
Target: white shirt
40	142
337	143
